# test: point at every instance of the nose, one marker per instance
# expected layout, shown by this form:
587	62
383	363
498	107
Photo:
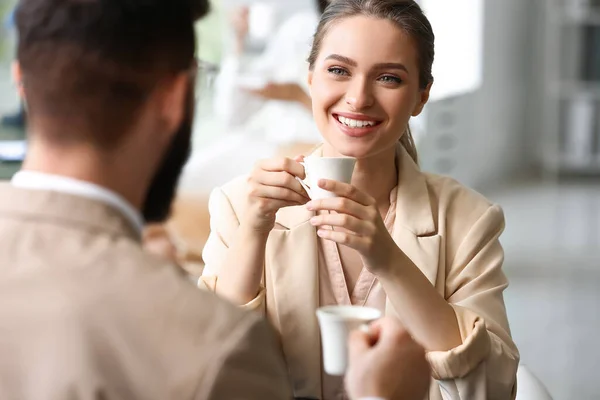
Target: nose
359	95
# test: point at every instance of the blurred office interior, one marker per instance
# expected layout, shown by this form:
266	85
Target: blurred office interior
515	114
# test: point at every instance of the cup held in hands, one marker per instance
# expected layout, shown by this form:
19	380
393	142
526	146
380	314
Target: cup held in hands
333	168
336	323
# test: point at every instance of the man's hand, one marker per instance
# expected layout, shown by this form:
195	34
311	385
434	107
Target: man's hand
386	363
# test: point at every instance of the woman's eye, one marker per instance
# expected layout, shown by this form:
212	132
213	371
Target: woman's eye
390	79
337	71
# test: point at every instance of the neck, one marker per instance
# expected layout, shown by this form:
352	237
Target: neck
85	163
376	175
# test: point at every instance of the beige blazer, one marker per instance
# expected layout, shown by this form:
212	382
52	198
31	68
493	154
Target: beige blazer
451	234
86	314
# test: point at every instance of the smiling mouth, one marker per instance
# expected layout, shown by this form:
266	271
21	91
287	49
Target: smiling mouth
355	123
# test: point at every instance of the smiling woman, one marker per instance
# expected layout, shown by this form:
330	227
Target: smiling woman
416	246
415	34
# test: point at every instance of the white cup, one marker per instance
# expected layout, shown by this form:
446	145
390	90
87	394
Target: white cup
336	323
333	168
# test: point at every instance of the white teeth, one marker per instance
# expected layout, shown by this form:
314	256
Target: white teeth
353	123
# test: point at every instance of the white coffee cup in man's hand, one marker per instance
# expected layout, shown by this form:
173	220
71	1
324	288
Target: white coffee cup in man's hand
386	363
336	323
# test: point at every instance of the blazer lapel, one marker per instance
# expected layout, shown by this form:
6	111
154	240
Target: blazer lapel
293	290
415	231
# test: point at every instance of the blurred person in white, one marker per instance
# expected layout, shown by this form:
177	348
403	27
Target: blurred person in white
85	313
269	94
413	245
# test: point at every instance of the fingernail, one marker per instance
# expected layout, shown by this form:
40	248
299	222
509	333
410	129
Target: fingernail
314	221
310	205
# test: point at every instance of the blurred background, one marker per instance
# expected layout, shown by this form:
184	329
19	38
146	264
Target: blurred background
515	114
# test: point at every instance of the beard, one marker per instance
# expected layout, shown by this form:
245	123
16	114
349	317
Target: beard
160	196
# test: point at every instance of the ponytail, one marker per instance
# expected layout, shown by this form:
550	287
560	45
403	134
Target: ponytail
408	143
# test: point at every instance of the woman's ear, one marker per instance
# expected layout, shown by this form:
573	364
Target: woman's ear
423	99
310	79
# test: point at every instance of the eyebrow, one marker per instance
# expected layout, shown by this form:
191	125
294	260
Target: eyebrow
353	63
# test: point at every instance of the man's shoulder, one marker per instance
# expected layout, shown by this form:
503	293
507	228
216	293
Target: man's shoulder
165	288
147	326
134	296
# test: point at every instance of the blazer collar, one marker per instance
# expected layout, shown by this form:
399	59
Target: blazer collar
42	181
61	208
413	205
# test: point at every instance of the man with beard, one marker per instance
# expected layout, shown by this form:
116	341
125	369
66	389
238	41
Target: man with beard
84	312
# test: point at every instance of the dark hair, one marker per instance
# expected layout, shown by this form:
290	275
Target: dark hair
407	15
92	63
322	4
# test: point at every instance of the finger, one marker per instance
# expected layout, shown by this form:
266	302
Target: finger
358	344
299	158
282	180
268	207
345	238
345	221
278	193
390	330
346	190
341	205
374	334
283	165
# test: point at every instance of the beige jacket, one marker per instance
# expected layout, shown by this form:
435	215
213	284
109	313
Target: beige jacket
450	232
86	314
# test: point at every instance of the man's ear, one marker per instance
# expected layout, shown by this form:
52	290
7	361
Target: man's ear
17	76
171	101
423	99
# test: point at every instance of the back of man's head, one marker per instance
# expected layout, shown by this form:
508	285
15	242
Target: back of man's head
91	64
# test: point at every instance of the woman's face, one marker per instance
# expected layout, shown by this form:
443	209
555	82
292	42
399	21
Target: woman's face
365	86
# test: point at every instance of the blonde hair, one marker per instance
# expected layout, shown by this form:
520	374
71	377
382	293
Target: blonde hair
408	142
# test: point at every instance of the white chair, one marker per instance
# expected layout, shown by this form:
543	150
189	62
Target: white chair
529	387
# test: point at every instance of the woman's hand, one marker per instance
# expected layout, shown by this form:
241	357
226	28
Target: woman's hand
356	223
272	186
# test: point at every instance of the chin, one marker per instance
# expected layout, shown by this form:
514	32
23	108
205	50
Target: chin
359	148
353	148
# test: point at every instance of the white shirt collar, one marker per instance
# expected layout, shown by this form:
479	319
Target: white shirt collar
41	181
